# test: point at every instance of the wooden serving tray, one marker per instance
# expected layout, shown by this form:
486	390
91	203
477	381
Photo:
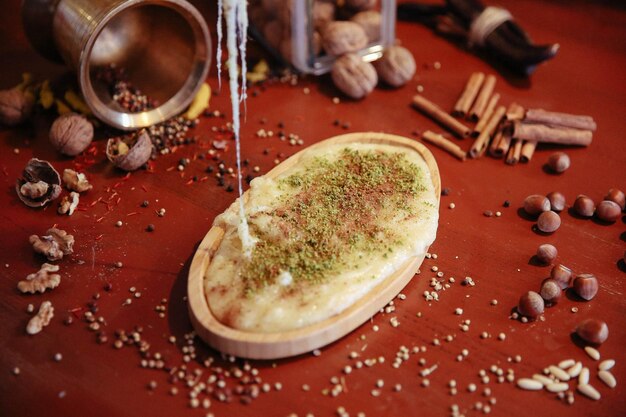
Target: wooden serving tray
290	343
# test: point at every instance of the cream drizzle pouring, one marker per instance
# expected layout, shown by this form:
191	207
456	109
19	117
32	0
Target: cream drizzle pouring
236	25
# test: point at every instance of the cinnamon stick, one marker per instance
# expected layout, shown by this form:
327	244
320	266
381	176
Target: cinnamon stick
434	112
560	119
515	112
547	134
493	147
445	144
504	144
528	149
514	153
482	122
480	144
483	98
469	94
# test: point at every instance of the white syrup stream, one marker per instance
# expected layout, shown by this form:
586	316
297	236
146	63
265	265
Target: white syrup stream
236	23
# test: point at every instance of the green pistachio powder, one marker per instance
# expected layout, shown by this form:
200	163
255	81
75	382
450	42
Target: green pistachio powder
333	214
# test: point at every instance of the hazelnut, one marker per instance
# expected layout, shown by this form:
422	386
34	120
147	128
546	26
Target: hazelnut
608	211
616	196
71	134
557	201
15	106
586	286
584	206
535	204
593	331
550	291
341	37
40	183
530	305
546	253
353	76
130	152
396	67
548	222
369	20
559	162
561	274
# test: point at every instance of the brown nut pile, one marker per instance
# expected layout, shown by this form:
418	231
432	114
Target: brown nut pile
71	134
339	27
40	183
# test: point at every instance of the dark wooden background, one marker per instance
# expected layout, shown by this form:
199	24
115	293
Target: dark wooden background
587	77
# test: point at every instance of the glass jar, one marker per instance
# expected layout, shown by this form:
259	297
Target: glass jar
293	30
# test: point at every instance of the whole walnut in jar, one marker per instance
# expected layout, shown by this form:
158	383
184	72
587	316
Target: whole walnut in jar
369	20
396	67
341	37
71	134
323	13
353	76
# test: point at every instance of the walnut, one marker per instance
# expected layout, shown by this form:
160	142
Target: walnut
40	183
71	134
130	152
76	181
361	4
15	106
54	244
41	280
396	67
369	20
323	13
69	203
355	77
41	319
343	37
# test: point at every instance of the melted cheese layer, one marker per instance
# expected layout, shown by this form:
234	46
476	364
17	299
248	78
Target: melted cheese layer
289	303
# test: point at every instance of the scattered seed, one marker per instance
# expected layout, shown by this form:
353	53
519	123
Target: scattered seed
607	378
529	384
574	371
567	363
58	357
583	377
592	352
559	373
16	371
119	223
452	205
589	391
557	387
543	379
150	228
606	364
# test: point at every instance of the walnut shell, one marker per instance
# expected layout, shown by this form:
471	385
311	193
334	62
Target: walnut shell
342	37
15	106
369	20
396	67
353	76
71	134
40	183
130	152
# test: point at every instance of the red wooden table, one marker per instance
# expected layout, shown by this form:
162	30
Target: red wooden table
587	77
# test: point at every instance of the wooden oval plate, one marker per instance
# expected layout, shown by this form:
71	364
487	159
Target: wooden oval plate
290	343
